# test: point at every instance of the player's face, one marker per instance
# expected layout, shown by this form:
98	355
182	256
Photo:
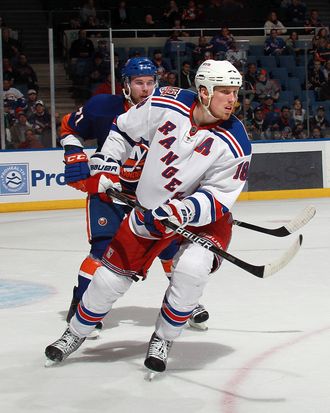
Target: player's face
223	101
141	87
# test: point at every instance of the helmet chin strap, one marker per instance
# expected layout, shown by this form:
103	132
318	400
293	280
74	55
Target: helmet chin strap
128	94
206	107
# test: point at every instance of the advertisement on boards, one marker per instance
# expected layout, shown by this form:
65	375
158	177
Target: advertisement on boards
30	176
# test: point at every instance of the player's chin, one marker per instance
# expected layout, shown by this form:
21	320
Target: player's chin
226	115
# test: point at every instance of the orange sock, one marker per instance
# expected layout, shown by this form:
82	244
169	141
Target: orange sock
88	267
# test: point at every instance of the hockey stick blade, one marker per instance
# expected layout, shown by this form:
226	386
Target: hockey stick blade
260	271
299	221
281	262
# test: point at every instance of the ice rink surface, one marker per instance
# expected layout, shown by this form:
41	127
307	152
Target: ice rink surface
266	349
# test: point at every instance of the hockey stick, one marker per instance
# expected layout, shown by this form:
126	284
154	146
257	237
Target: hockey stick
260	271
296	223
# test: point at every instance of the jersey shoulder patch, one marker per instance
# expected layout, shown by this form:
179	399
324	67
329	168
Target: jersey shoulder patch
179	100
185	96
234	134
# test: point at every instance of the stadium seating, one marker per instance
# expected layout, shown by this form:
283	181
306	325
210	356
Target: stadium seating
295	86
122	54
288	62
300	74
281	73
256	50
311	96
252	59
287	95
267	61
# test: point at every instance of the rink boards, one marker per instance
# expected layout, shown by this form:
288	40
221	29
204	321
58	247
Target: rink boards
34	180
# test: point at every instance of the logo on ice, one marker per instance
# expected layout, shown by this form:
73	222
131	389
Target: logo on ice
14	179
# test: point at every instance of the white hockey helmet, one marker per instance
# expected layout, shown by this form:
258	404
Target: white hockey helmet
212	73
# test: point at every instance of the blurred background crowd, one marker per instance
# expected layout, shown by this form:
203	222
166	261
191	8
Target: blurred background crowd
286	72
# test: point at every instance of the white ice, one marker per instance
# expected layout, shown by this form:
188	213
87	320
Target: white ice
266	349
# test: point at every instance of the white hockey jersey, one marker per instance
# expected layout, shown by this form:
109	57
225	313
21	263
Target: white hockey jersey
208	165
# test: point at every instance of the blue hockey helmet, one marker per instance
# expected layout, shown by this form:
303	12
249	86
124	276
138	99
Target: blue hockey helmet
138	66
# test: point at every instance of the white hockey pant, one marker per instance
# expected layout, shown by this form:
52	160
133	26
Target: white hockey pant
191	271
103	291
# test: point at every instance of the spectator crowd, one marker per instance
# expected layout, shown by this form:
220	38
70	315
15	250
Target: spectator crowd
268	104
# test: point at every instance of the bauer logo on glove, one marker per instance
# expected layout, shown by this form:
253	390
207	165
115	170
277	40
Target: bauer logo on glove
103	163
104	168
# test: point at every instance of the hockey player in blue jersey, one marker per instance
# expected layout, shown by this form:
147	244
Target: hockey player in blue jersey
94	120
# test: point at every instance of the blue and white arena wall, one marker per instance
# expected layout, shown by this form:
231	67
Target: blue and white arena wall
34	180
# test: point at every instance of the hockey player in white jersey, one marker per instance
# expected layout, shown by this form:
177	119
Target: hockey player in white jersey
197	165
94	119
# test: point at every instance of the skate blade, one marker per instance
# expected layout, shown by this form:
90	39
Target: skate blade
50	363
198	326
150	375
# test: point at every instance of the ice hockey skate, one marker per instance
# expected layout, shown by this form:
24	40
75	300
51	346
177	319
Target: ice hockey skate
198	318
72	310
62	348
156	358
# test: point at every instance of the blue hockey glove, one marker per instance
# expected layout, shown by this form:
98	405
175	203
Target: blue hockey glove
76	165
